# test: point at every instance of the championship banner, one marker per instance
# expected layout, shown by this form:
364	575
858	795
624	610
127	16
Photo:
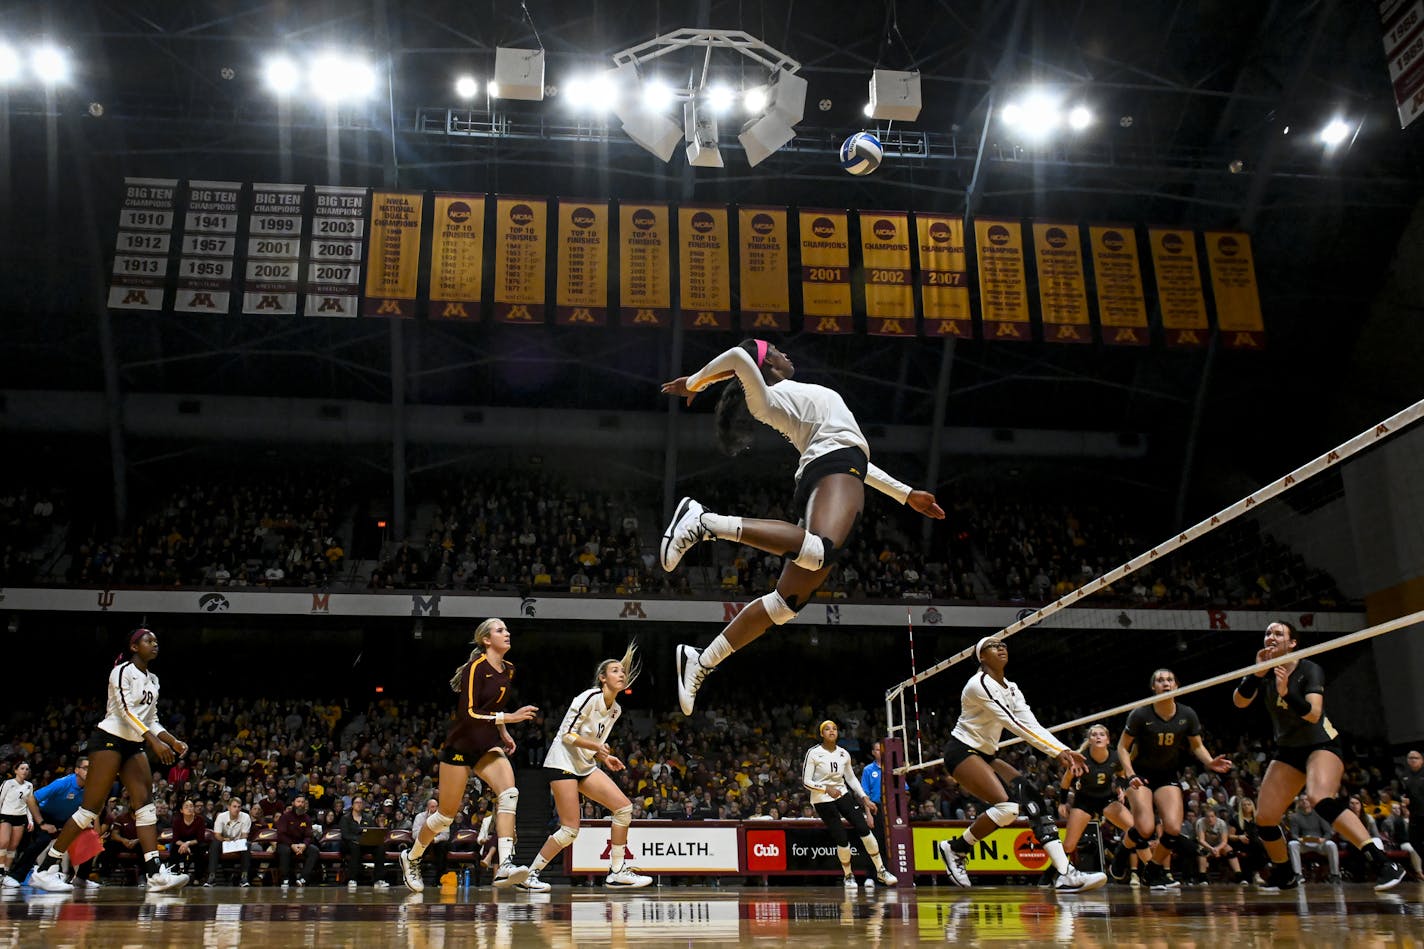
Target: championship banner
705	274
764	262
1003	286
1122	313
145	239
581	288
825	271
1062	292
659	847
457	257
885	255
1012	849
1233	285
644	265
334	255
207	267
274	250
1179	291
1404	52
521	228
393	258
944	276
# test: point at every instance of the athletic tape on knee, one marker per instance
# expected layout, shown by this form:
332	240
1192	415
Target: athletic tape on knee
777	609
84	819
565	836
438	823
1003	814
623	816
813	553
1269	831
146	816
1330	808
508	801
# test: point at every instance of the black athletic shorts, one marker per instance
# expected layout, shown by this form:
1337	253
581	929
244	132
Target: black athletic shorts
1092	804
956	751
559	774
851	461
466	757
103	741
1155	779
1297	755
15	820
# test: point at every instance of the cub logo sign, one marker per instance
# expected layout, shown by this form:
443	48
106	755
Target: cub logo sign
1030	853
766	851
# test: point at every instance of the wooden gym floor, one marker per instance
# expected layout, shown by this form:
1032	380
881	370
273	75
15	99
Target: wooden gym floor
820	916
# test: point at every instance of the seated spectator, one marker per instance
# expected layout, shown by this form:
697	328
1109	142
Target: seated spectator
190	840
295	839
1311	833
353	823
231	831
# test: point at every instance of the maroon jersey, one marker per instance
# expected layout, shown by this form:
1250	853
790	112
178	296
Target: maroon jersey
484	691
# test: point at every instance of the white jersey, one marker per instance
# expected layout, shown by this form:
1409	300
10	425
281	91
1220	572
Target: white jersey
825	771
133	703
986	708
587	717
225	828
13	794
813	418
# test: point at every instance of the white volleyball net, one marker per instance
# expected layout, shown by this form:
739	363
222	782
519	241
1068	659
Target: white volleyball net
1304	548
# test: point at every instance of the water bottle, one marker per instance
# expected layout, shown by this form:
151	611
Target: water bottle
465	879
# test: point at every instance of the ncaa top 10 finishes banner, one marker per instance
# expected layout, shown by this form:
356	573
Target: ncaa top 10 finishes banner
145	239
825	270
207	269
944	276
706	272
1118	277
336	249
581	284
393	258
457	257
763	261
521	227
644	264
274	250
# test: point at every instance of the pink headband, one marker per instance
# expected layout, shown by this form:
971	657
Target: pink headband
762	346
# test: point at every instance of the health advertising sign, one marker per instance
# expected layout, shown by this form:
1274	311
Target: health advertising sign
659	847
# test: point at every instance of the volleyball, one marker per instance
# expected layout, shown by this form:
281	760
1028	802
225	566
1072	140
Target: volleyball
861	153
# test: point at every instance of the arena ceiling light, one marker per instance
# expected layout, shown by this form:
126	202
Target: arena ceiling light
50	64
10	65
1079	118
597	93
775	98
336	77
466	87
1040	113
281	76
1335	132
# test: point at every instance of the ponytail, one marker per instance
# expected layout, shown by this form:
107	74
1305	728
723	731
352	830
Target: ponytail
481	637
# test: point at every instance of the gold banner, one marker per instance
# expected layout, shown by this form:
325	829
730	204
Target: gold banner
1118	276
521	231
705	274
1179	290
457	257
1012	849
763	263
644	265
825	271
944	276
1233	285
1003	286
581	290
885	254
393	256
1062	291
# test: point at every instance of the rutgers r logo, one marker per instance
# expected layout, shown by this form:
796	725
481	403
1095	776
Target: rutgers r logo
106	599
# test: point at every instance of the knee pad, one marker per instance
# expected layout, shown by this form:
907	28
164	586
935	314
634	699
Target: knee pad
508	801
565	836
1330	808
812	554
1269	831
777	608
84	819
1003	814
1173	841
439	822
145	816
623	816
1134	839
871	845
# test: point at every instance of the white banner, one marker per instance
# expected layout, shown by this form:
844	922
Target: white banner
274	247
258	602
333	272
659	847
140	268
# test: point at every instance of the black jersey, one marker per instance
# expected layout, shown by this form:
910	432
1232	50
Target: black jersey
1292	731
1097	781
1159	744
1414	793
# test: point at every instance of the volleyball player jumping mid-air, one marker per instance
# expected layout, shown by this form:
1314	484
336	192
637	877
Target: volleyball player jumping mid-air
830	492
989	704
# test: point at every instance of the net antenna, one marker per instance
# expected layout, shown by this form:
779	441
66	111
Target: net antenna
914	681
894	696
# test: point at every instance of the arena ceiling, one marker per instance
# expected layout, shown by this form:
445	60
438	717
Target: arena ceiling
1192	103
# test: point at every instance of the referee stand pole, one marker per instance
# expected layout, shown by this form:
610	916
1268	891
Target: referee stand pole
899	841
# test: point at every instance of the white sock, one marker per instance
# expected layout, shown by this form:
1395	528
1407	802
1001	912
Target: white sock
843	854
1059	858
723	526
506	849
717	650
539	863
417	849
616	857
